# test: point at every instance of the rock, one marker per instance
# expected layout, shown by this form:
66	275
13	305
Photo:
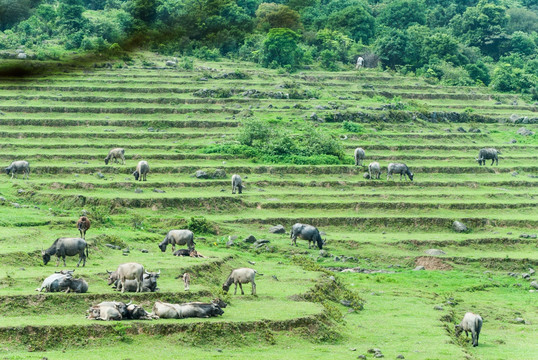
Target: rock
437	307
534	284
514	117
20	191
460	129
21	56
374	350
323	253
336	258
200	174
230	243
366	175
232	237
345	303
533	236
519	320
145	251
513	141
251	262
524	132
361	357
115	247
277	229
514	173
219	173
158	191
434	252
400	357
16	205
2	199
498	103
274	277
250	239
170	63
418	268
531	271
474	130
459	226
524	236
378	355
525	276
314	117
100	175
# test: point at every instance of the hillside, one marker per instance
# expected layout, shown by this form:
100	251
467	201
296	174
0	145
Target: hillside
182	121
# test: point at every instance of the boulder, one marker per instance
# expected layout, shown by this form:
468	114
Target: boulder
460	129
437	307
418	268
324	253
138	191
200	174
21	55
170	63
366	175
250	239
524	132
434	252
100	175
158	191
514	117
459	226
532	271
519	320
534	284
219	173
277	229
230	243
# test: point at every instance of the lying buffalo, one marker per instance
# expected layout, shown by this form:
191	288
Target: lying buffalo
306	232
117	310
181	311
63	281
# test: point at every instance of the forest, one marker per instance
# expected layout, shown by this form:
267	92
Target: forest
469	42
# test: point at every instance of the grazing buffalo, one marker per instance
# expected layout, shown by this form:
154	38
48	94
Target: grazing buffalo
63	247
488	154
306	232
399	168
149	283
188	310
178	237
19	167
83	225
473	323
127	271
359	156
117	153
142	170
374	170
240	276
237	184
186	281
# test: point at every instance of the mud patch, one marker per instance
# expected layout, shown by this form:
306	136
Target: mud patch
432	263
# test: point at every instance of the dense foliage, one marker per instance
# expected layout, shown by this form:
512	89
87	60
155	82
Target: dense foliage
468	42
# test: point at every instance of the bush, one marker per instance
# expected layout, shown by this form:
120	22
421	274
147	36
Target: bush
280	49
200	225
352	127
328	60
205	53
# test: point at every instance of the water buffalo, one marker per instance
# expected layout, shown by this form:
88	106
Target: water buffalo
399	168
136	312
56	282
178	237
117	153
359	156
83	225
473	323
149	283
127	271
240	276
78	285
188	310
186	281
237	184
63	247
374	170
488	154
105	313
306	232
142	169
118	305
19	167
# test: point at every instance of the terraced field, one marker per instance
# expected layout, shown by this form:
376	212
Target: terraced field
65	124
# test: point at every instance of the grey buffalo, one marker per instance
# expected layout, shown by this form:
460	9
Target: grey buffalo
63	247
178	237
188	310
127	271
78	286
237	184
374	170
105	313
116	153
149	283
19	167
56	282
359	156
473	323
488	154
306	232
142	169
238	277
399	168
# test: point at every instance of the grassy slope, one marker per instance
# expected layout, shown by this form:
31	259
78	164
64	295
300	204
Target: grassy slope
65	124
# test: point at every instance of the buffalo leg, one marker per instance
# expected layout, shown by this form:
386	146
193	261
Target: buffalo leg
241	287
253	288
235	292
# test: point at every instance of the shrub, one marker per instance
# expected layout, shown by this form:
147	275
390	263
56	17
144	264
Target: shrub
200	225
352	127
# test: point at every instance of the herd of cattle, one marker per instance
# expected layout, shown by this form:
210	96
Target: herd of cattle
132	277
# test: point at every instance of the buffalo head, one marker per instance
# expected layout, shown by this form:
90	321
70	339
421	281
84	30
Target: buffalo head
106	161
113	276
410	176
46	257
7	170
136	175
225	287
